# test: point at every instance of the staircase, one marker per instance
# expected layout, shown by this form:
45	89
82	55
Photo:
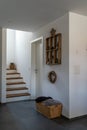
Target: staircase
16	89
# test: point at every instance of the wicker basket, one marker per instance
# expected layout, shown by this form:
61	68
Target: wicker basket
49	111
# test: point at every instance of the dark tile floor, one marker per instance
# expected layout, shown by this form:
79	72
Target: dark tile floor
23	116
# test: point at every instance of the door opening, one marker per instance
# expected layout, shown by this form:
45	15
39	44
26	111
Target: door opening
36	67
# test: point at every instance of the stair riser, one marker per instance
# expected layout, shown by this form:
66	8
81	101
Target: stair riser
15	86
12	75
11	71
17	91
17	98
14	80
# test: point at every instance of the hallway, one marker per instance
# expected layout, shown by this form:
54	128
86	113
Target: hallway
23	116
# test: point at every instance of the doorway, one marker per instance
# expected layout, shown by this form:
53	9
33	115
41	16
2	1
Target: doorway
36	67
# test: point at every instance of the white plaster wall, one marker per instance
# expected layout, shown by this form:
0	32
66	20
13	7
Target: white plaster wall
22	56
0	63
77	64
10	46
3	90
59	90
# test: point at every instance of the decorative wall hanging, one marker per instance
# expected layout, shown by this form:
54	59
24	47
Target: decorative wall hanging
52	76
53	48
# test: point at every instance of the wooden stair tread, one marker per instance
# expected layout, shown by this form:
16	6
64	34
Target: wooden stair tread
12	73
10	69
14	83
17	95
14	78
18	88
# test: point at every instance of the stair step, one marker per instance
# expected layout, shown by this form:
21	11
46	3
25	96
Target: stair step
17	95
15	99
10	69
14	78
15	83
16	88
20	88
12	73
17	91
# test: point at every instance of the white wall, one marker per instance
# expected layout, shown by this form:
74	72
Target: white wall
2	65
18	52
77	64
22	56
0	62
3	89
10	46
59	90
71	85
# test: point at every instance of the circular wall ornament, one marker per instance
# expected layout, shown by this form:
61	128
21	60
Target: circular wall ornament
52	76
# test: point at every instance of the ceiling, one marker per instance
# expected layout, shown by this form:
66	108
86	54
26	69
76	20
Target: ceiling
30	15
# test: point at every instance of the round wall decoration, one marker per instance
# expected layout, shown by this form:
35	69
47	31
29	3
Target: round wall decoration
52	76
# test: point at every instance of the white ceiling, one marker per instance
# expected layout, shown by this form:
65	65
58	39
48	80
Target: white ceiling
31	15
